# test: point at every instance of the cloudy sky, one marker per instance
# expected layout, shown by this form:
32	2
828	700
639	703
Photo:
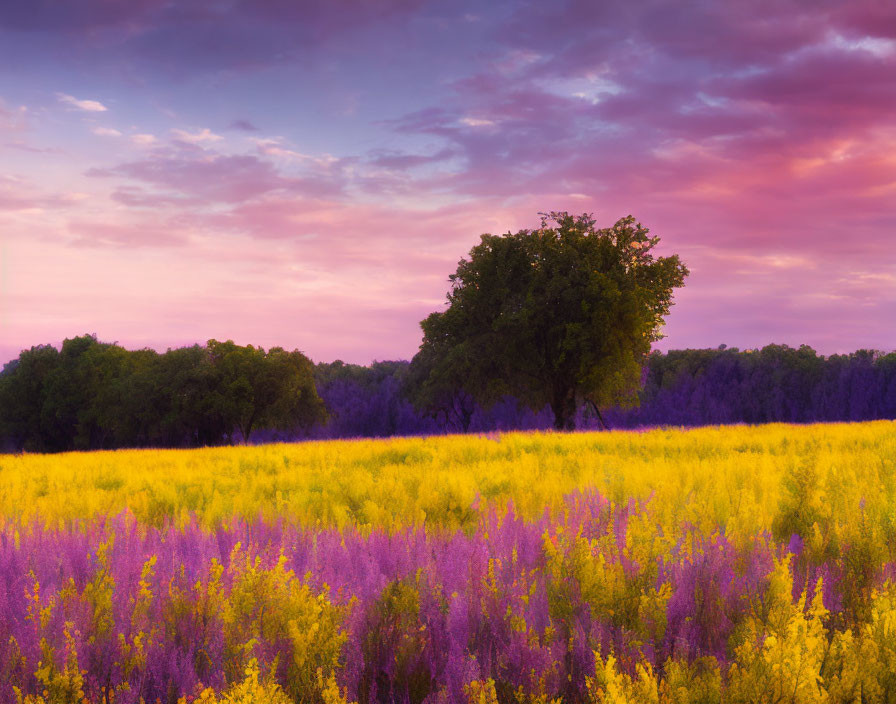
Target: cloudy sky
307	174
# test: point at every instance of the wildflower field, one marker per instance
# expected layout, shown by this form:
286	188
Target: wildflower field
737	564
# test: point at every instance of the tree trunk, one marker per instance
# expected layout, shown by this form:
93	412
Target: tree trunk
600	418
247	433
246	428
564	408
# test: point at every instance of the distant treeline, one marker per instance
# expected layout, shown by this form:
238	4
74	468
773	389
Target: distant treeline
774	384
91	395
680	387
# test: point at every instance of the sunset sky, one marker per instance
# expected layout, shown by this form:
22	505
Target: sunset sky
307	174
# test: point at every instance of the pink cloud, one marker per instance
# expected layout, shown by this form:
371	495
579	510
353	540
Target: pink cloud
12	119
214	177
83	104
17	194
363	238
137	197
125	235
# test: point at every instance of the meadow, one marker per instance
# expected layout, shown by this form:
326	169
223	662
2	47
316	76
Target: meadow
736	564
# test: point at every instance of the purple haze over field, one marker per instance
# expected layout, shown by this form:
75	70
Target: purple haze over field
308	174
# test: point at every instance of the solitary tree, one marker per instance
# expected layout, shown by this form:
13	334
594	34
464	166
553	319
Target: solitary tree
561	315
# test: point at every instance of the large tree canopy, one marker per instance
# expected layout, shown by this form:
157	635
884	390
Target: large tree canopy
560	315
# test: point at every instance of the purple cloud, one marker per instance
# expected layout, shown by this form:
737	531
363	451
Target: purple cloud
213	177
401	162
243	125
200	36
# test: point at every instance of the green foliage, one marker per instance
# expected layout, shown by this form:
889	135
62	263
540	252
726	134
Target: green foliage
558	315
22	393
258	389
92	395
